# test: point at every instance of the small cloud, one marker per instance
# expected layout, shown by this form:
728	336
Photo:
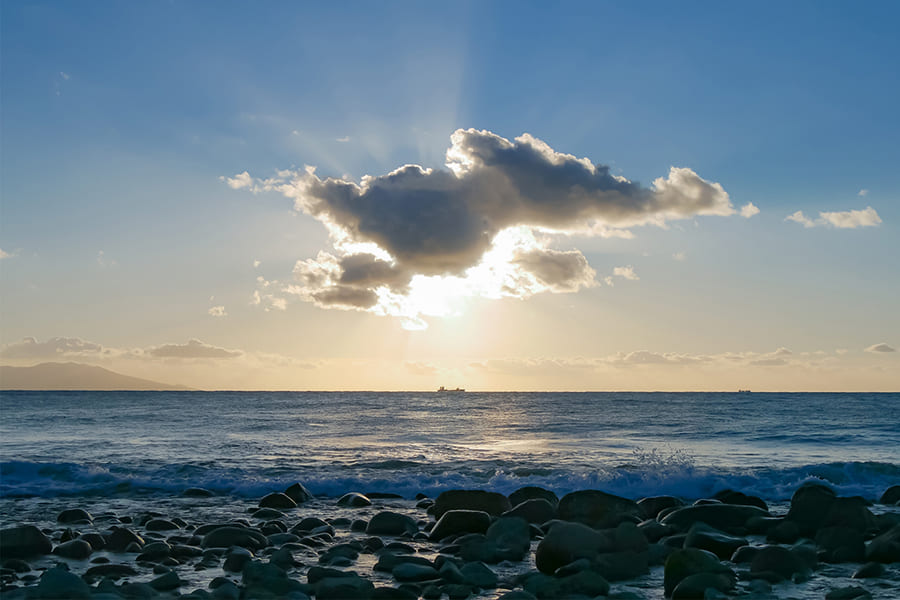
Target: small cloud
782	352
626	273
239	181
863	192
192	349
217	311
847	219
679	256
841	351
4	254
105	261
295	132
882	347
769	362
256	264
64	75
343	140
749	209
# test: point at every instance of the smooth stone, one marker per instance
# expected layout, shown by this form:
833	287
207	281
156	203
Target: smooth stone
344	588
778	560
354	499
460	521
407	571
654	531
694	587
841	544
225	537
618	566
196	492
74	515
479	575
518	595
137	590
227	590
394	593
58	582
16	565
298	493
744	554
810	505
736	497
478	500
885	548
277	500
97	541
24	542
110	570
391	523
308	524
730	518
597	509
388	561
848	593
511	536
160	525
76	549
121	539
283	558
279	539
566	543
652	506
236	559
167	582
723	545
871	569
535	510
785	532
532	492
691	561
890	495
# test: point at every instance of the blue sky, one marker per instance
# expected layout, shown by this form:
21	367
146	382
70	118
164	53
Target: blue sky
123	122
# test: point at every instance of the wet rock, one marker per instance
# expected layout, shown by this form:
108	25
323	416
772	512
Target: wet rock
479	575
810	505
122	538
885	548
391	523
298	493
566	543
776	560
518	595
695	587
840	544
308	524
852	512
58	582
848	593
16	565
354	499
77	549
586	583
597	509
654	531
277	500
744	554
511	536
871	569
460	521
284	559
619	566
651	507
890	495
351	587
268	514
167	582
691	561
535	510
196	492
225	537
476	500
731	518
74	515
389	560
97	541
236	559
407	571
111	570
723	545
785	532
736	497
267	580
160	525
531	492
395	593
24	542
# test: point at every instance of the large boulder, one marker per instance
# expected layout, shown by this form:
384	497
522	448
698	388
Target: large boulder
460	521
885	548
391	523
354	499
298	493
567	542
694	587
681	564
121	539
597	509
651	507
533	493
731	518
840	544
810	505
736	497
774	563
58	582
24	542
536	510
277	500
890	495
723	545
511	536
490	502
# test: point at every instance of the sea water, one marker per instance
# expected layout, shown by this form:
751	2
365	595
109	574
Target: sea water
247	444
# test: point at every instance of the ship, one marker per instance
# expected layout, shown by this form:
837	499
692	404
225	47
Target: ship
443	389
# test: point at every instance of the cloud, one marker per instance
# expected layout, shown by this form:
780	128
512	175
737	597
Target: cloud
679	256
644	357
56	347
626	273
769	362
217	311
4	254
192	349
848	219
748	210
882	347
482	227
343	140
863	192
256	264
105	261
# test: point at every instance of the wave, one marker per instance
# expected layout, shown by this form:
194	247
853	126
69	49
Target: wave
648	475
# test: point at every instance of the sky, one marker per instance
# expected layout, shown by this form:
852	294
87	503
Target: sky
492	195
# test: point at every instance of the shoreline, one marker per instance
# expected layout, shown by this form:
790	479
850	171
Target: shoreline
461	544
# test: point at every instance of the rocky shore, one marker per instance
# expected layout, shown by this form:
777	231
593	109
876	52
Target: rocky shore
461	544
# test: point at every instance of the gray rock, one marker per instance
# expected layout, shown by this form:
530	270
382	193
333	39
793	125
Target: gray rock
885	548
681	564
77	549
848	593
841	544
391	523
651	507
407	571
344	588
490	502
58	582
354	499
723	545
597	509
871	569
777	560
511	536
460	521
530	492
890	495
111	570
24	542
196	492
74	515
536	510
695	587
478	574
167	582
731	518
277	500
121	539
225	537
298	493
567	542
810	505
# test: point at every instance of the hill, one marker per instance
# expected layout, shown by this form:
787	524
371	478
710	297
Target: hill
74	376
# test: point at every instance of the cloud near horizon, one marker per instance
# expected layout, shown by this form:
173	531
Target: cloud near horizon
848	219
409	243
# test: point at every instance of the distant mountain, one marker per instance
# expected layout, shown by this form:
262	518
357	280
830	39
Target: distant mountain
74	376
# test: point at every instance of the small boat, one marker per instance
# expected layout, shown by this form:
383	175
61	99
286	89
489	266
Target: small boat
443	389
743	391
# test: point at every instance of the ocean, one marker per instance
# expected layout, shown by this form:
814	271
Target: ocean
121	455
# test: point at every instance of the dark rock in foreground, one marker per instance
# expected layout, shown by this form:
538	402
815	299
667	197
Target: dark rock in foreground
23	542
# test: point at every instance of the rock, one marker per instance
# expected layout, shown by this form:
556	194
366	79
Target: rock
160	525
225	537
391	523
651	507
308	524
691	561
298	493
24	542
490	502
121	539
736	497
167	582
196	492
59	583
279	539
885	548
407	571
236	559
597	509
77	549
97	541
785	532
74	515
476	547
16	565
723	545
518	595
567	542
531	492
460	521
535	510
744	554
848	593
277	500
511	536
354	499
871	569
730	518
137	590
479	575
267	580
226	590
810	505
890	495
618	566
268	514
841	544
111	570
344	588
694	587
776	560
586	583
395	593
